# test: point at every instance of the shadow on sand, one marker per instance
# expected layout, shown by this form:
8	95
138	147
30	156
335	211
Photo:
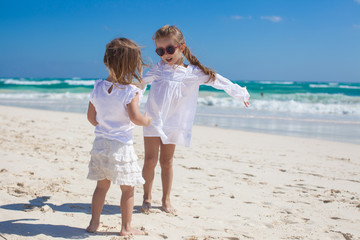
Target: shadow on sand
34	229
29	227
66	207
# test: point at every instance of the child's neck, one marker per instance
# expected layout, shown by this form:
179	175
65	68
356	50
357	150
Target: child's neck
110	78
180	63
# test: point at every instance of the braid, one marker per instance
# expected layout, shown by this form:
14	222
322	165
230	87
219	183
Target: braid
194	61
174	32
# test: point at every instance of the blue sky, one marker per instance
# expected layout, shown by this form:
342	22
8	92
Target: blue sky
307	40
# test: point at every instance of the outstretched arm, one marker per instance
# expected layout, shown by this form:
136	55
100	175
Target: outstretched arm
91	114
229	87
149	77
134	113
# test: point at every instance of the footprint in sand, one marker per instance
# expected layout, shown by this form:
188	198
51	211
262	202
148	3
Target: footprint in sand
16	192
346	159
249	175
267	203
347	236
163	236
278	192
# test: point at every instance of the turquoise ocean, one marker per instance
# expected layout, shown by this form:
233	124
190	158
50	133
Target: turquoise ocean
324	110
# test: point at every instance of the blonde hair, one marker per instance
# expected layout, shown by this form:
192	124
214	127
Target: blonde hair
174	33
123	60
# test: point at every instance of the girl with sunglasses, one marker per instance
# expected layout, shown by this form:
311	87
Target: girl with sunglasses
172	105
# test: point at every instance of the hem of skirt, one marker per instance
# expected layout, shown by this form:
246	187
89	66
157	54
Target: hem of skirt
151	135
119	182
167	142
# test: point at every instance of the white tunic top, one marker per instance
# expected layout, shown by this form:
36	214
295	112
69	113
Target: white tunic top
111	110
173	98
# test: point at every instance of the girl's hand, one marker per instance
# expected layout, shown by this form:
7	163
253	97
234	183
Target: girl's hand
135	115
147	119
247	104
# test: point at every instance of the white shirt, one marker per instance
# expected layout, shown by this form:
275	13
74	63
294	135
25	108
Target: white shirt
173	98
111	110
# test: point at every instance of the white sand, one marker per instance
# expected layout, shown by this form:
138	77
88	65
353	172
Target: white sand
229	185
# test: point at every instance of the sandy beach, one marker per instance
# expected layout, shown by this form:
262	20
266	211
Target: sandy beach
228	185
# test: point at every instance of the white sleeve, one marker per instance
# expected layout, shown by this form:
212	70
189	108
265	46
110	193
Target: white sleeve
229	87
132	91
93	92
150	76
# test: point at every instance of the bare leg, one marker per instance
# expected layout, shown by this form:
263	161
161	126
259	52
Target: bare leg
166	163
152	145
97	204
126	206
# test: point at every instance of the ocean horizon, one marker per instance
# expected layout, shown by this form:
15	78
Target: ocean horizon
324	110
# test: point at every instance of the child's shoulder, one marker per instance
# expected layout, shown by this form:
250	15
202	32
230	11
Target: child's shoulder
98	82
132	87
194	70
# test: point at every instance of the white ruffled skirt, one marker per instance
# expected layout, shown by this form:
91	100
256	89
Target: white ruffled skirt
115	161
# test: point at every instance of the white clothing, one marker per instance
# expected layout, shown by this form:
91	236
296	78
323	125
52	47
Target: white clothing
173	98
111	110
115	161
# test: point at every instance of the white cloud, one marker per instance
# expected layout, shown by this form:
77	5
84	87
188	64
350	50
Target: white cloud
356	26
357	1
237	17
273	18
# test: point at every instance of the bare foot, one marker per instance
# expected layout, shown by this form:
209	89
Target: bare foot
168	208
131	231
145	208
93	226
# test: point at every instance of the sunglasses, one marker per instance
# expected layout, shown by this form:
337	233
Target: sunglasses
169	50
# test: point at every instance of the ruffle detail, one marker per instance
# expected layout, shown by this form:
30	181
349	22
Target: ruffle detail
132	93
115	161
93	92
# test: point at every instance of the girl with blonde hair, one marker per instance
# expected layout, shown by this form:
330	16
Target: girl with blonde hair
113	110
172	105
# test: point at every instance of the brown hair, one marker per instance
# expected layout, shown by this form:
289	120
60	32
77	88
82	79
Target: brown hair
173	32
123	60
